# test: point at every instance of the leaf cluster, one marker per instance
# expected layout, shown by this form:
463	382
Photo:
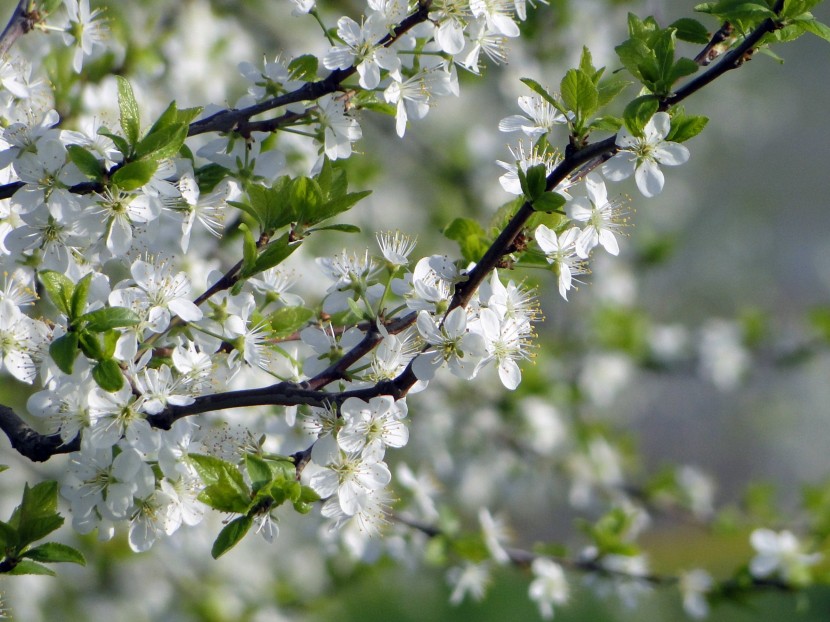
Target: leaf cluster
273	482
142	154
297	205
34	519
92	333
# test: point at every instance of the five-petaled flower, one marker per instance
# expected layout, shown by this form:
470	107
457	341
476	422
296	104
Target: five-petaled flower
642	154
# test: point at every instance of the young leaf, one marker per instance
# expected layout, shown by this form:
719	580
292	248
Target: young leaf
691	30
249	250
80	295
128	106
87	163
163	143
230	535
685	127
303	68
59	289
52	552
275	253
104	319
548	202
638	112
226	487
258	472
63	351
338	205
579	93
90	345
133	175
108	375
9	538
28	567
342	227
471	238
533	181
36	528
288	320
540	90
121	144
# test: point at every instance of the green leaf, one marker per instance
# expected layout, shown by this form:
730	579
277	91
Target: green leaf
162	144
230	535
48	6
548	202
128	106
634	54
259	472
471	238
343	228
133	175
580	94
38	527
303	68
108	375
541	91
104	319
270	206
90	345
39	500
685	127
586	63
275	253
110	341
338	205
54	552
682	68
606	123
735	10
169	117
121	144
796	8
817	28
288	320
9	538
609	88
534	181
80	295
27	567
59	289
664	54
63	351
87	163
225	489
212	469
691	30
638	112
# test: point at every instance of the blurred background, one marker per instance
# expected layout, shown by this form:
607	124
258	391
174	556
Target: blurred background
700	346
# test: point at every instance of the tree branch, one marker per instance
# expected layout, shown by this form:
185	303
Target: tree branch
28	443
21	22
38	447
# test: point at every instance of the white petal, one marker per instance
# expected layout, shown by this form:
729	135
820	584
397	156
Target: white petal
649	178
185	309
620	166
671	154
609	242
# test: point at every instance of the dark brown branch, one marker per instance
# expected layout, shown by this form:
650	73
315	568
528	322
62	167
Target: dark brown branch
21	22
731	60
36	447
239	120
